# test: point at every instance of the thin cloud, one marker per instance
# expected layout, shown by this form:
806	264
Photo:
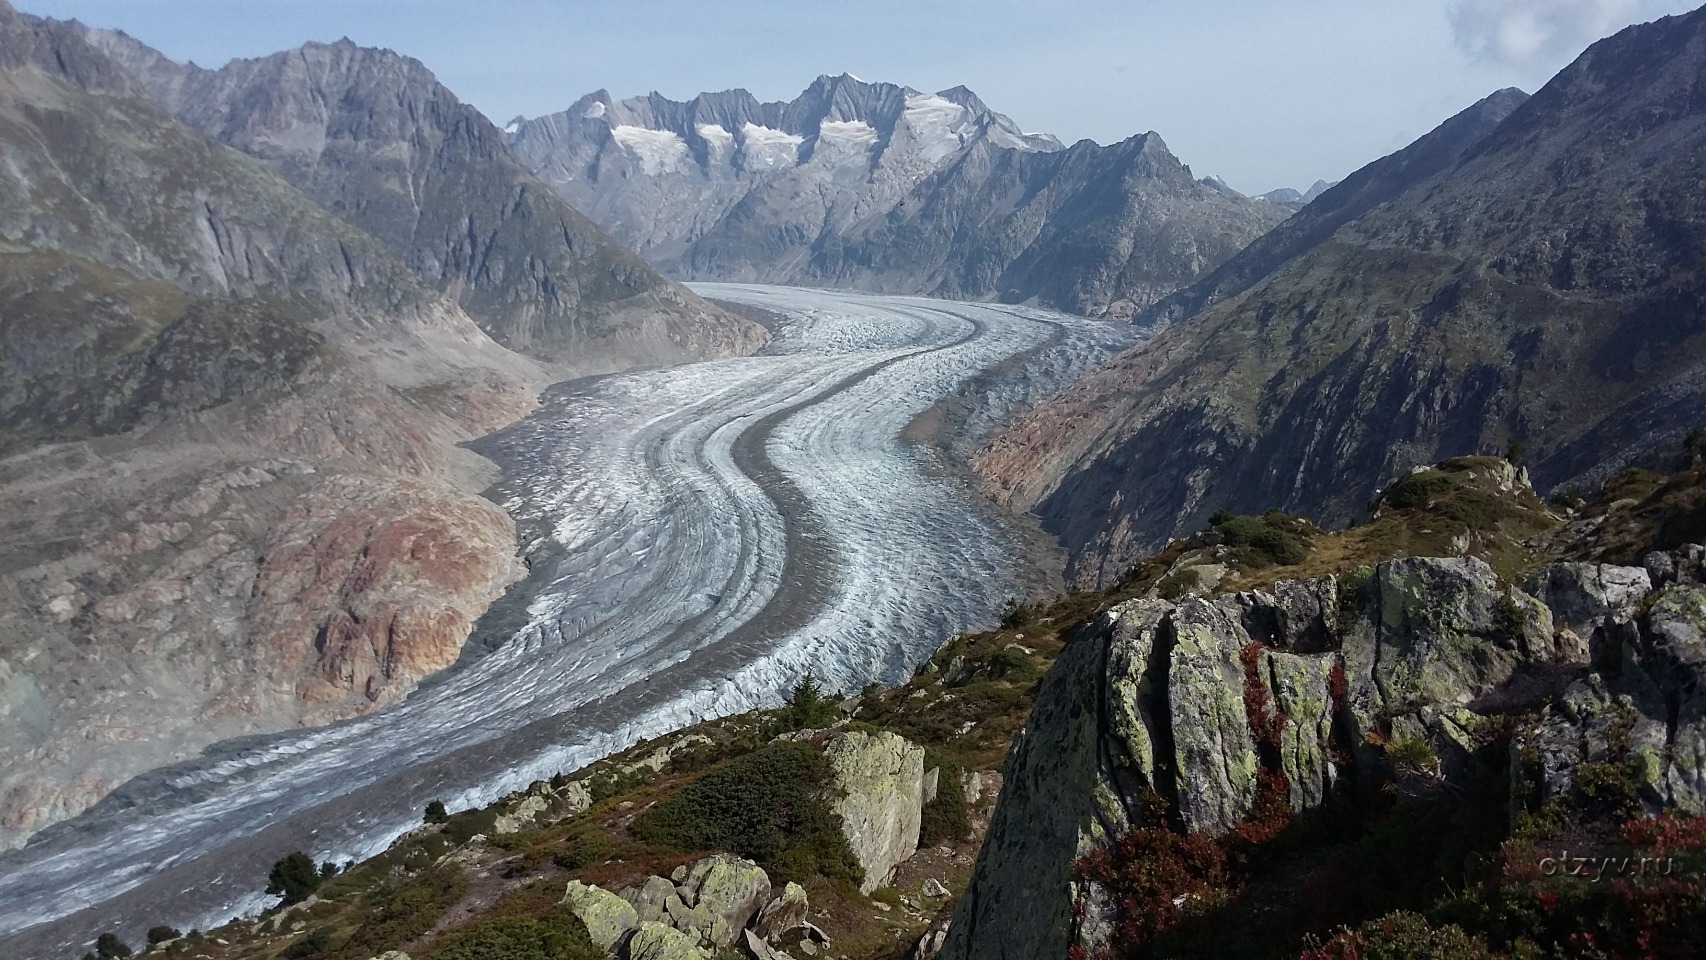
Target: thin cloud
1530	32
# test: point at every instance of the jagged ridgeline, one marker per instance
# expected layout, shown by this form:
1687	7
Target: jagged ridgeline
377	140
1528	273
879	187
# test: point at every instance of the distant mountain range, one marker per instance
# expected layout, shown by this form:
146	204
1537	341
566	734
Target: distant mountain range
1531	274
886	188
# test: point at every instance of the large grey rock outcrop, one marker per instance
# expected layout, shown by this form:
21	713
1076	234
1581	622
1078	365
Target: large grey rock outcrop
660	941
608	917
787	912
1152	703
879	779
717	899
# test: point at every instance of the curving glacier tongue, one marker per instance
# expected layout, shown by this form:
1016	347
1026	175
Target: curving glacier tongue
704	535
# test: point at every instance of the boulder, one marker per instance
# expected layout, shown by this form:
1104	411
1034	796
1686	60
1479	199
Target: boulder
648	898
608	917
879	779
786	912
1213	752
1299	688
723	893
521	816
757	949
1598	603
660	941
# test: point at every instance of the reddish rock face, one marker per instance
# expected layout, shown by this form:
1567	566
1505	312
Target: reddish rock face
364	603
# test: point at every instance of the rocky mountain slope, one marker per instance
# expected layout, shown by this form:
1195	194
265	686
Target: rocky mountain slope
229	437
1310	735
1539	284
886	188
377	140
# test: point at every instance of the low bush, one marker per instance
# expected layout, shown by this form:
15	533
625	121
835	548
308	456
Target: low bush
465	826
396	915
584	849
293	877
313	944
945	818
1417	489
558	935
768	806
1274	538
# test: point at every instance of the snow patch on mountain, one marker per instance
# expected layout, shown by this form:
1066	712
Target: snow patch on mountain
593	112
659	151
768	148
933	120
847	132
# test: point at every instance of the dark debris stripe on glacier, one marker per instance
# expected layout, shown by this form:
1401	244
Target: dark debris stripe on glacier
712	531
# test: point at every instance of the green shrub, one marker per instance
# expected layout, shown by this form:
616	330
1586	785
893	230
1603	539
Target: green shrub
1178	583
944	818
768	806
1417	489
435	812
293	877
321	940
1270	539
808	707
161	934
398	915
465	826
584	849
1411	756
557	936
1016	613
606	785
108	945
888	895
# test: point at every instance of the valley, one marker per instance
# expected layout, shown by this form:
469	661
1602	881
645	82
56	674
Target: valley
700	536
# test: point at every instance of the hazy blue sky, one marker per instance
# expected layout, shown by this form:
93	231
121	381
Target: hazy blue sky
1263	94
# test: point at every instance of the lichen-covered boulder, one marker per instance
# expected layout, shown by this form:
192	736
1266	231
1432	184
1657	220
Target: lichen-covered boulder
717	898
521	816
1213	751
1133	697
786	912
608	917
879	779
648	898
1300	688
1668	679
1437	632
660	941
1590	723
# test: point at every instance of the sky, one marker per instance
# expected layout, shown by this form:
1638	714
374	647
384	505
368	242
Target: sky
1261	94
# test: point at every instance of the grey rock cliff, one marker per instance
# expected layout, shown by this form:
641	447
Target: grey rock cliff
1150	703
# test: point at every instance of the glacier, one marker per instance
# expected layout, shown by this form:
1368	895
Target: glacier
701	536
